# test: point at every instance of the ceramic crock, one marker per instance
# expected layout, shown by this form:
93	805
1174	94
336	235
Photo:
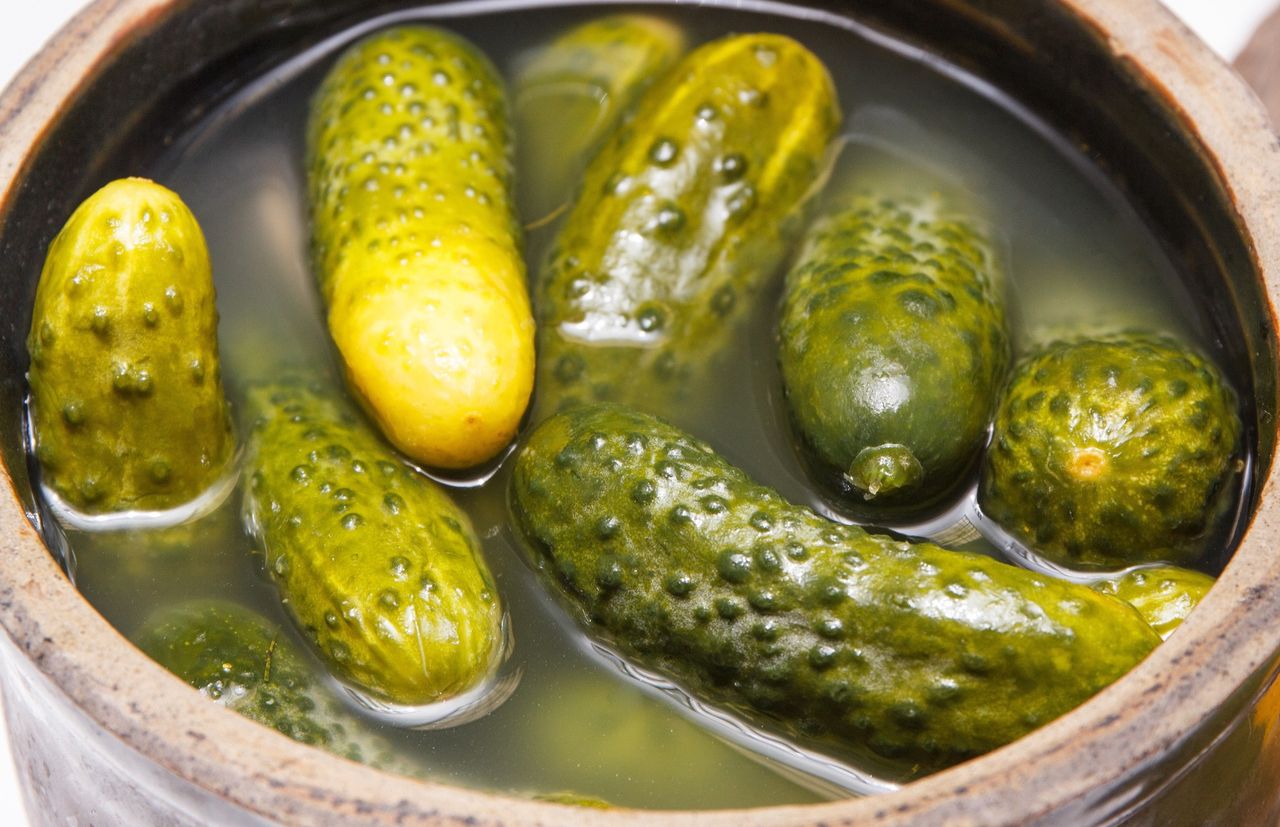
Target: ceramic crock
1190	737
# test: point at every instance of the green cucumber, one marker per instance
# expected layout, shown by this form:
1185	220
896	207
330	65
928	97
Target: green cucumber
1163	595
910	651
416	244
235	657
571	92
1112	450
682	216
893	347
134	568
378	567
572	799
127	405
591	737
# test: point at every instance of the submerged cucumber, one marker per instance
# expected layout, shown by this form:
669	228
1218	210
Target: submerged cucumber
133	568
373	560
593	738
911	651
572	92
1112	450
127	405
237	658
416	244
892	345
574	800
681	216
1163	595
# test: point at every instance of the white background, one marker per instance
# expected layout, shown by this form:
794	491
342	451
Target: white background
1224	24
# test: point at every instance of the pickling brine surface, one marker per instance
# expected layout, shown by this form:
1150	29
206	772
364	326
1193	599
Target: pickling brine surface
1077	254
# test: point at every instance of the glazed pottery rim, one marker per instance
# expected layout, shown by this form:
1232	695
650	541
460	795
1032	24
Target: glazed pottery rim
1224	646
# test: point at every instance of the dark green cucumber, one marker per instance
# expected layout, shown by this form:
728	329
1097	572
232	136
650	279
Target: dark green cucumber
682	215
1112	450
914	652
893	346
238	659
128	410
1163	595
573	91
373	560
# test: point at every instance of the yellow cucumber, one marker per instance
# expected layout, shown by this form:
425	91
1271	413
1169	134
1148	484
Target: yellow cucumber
128	409
416	244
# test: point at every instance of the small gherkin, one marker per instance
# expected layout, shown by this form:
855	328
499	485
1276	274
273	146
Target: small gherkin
235	657
373	560
681	218
904	650
571	92
1163	595
127	403
893	346
1113	450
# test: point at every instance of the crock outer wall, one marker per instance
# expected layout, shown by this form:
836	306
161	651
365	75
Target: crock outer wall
1119	77
75	771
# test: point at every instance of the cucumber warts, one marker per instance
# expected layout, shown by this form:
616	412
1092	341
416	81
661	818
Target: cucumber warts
237	658
573	91
1112	450
416	245
682	215
373	560
1163	595
913	652
127	404
893	347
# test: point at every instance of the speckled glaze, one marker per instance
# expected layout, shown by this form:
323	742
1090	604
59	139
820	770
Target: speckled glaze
1190	737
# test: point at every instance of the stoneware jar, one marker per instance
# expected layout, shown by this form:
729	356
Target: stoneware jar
104	736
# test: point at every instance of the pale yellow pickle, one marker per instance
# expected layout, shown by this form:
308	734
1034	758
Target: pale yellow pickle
416	244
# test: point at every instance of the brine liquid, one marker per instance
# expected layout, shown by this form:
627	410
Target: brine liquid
576	722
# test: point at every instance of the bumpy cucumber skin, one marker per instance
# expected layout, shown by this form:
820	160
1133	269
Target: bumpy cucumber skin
416	244
912	651
236	658
681	216
893	346
126	393
595	72
1111	451
1163	595
373	560
619	55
